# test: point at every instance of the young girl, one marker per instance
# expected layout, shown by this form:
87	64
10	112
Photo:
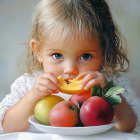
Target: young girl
74	39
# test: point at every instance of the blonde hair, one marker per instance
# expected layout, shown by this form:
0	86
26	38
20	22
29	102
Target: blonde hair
69	18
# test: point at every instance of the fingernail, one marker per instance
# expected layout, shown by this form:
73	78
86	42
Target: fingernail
57	90
58	85
85	88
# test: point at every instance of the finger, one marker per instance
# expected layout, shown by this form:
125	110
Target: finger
45	90
51	77
49	84
82	75
101	80
96	81
90	84
87	78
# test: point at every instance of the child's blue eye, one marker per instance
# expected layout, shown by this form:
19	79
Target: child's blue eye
57	56
86	56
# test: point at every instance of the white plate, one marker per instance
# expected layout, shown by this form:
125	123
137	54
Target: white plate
88	130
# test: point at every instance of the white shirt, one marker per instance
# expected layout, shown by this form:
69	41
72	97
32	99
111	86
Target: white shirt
25	82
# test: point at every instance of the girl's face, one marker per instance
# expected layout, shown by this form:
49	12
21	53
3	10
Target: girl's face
71	59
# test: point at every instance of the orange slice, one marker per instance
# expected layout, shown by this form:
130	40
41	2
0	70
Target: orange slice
70	86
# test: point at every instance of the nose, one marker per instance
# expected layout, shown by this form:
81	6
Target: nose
71	68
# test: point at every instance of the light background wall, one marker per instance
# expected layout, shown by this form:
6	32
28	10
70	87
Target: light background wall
15	24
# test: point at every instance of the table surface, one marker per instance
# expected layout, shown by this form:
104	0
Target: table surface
108	135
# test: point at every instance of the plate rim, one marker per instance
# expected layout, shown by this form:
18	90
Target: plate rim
72	128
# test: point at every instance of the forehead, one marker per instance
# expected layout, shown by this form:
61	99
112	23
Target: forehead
77	42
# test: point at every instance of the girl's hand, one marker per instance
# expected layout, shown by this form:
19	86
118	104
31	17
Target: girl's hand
46	84
124	114
91	78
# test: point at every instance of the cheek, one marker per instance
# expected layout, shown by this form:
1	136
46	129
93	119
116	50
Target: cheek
94	66
97	63
91	68
53	69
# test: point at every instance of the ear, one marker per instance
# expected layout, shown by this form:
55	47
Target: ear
35	48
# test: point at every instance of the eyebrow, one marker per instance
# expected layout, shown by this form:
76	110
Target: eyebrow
81	51
93	51
53	50
98	52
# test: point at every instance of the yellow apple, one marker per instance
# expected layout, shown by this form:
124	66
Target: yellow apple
44	106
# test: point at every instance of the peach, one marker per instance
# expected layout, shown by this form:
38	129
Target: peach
64	114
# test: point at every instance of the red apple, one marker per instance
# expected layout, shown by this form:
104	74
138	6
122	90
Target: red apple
81	97
96	111
64	114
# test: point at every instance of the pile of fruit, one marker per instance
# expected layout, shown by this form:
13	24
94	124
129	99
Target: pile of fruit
89	108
